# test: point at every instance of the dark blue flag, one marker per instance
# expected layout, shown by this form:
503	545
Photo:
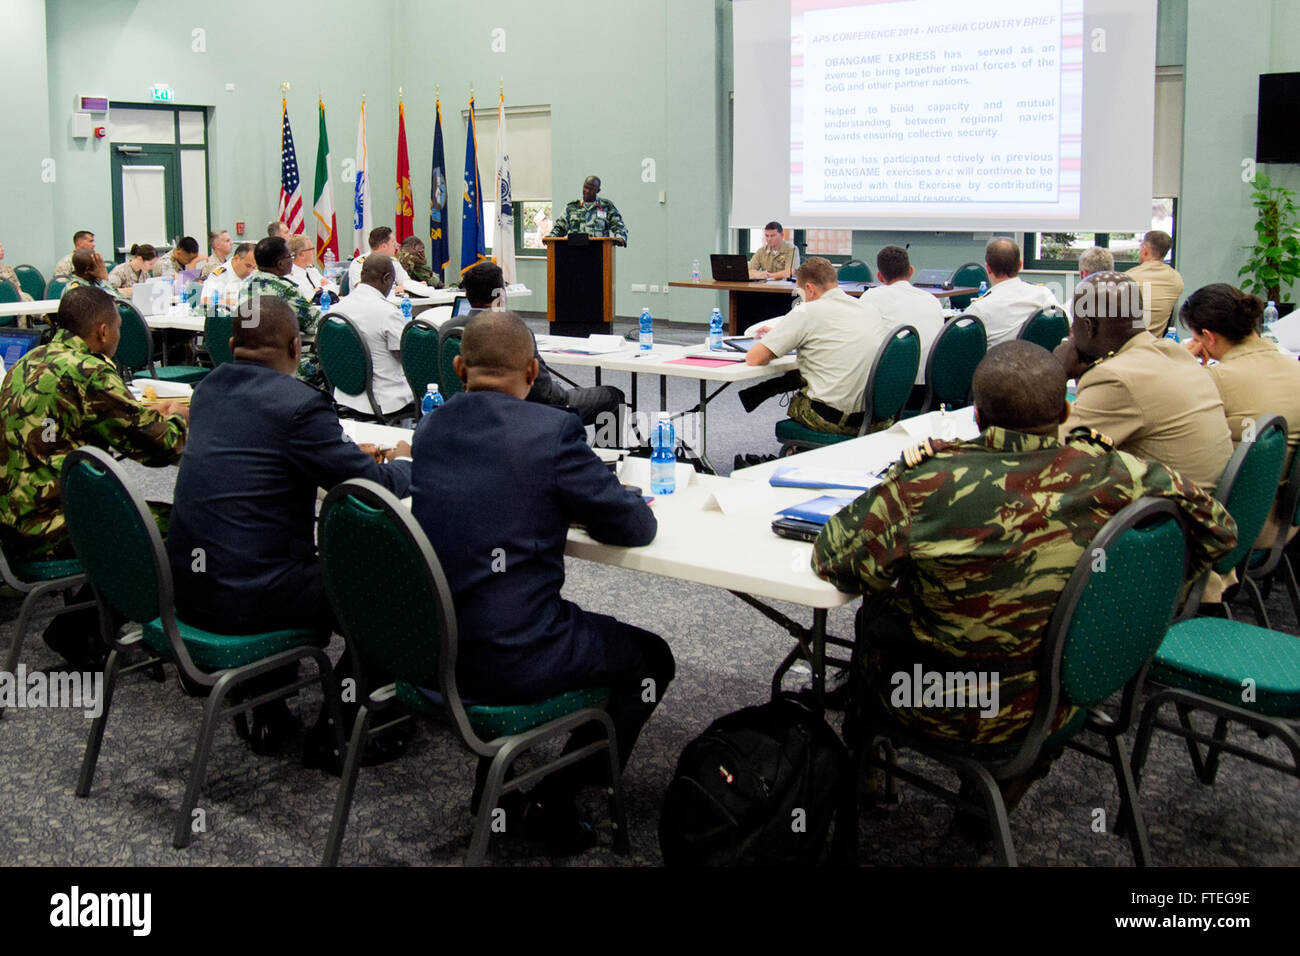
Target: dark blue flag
439	249
472	246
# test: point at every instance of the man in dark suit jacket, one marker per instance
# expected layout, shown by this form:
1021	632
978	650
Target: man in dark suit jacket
242	539
483	286
496	483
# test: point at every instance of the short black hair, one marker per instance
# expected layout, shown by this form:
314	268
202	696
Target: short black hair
892	263
82	308
1019	386
481	283
498	342
1222	309
242	248
267	321
773	225
1003	257
379	235
82	234
188	244
269	252
83	263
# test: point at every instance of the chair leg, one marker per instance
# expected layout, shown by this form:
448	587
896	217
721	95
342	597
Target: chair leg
1130	809
617	814
347	787
995	809
96	738
1212	753
1292	589
212	711
487	807
1146	725
1256	603
25	615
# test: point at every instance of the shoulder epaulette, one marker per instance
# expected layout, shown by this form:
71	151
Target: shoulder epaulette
1091	435
919	453
217	271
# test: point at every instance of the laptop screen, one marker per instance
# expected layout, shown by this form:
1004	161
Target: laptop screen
461	307
15	343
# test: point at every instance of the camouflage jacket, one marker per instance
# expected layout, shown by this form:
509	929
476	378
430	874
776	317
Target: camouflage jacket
63	267
598	218
981	537
418	271
93	283
56	398
262	283
7	274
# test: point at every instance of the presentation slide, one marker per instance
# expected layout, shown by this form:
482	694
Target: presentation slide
946	115
896	106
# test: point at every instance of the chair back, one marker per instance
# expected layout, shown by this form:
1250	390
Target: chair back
135	350
9	292
971	274
950	368
388	590
30	278
1112	615
892	373
855	270
448	349
343	355
217	331
1249	485
344	284
1047	328
55	289
420	357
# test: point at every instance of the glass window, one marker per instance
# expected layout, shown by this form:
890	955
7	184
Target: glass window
532	222
829	242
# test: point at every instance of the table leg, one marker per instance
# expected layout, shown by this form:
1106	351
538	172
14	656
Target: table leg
819	660
704	441
733	312
598	371
663	393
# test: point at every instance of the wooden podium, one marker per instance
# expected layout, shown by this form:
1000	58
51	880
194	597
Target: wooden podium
579	284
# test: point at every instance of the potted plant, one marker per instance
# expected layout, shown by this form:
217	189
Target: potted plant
1274	260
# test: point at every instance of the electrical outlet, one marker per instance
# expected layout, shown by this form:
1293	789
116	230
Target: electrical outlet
665	287
654	288
638	286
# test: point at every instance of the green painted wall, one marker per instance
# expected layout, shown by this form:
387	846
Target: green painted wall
26	213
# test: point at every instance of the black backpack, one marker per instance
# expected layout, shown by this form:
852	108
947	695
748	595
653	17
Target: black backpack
760	787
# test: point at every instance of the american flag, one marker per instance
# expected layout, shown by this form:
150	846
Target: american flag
290	191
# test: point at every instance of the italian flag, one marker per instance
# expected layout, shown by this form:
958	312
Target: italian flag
323	205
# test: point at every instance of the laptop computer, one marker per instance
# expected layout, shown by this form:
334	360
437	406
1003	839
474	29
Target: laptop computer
14	344
937	278
460	307
730	267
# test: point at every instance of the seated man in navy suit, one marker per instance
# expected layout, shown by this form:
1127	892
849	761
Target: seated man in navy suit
242	542
496	483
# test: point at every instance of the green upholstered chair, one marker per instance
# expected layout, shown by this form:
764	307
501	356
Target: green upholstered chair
1235	672
119	545
1274	564
346	361
9	293
218	327
1108	621
135	352
1048	328
449	382
344	284
968	276
855	270
55	289
888	384
419	348
30	278
370	544
35	580
950	367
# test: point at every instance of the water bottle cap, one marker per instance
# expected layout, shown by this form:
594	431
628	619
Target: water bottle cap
665	416
1272	303
431	387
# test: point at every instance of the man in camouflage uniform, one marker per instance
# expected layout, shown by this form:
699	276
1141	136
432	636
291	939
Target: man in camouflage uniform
59	397
592	216
274	263
411	256
981	537
88	270
7	274
81	239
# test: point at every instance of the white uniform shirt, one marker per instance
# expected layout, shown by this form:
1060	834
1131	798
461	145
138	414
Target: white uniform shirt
1007	306
223	281
307	280
838	338
380	324
902	303
400	277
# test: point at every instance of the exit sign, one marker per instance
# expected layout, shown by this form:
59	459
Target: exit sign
164	94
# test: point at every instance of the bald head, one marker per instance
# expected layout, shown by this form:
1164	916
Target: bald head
1020	386
1107	312
266	331
496	354
377	271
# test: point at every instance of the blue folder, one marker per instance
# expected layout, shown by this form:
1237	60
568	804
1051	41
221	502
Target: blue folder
819	510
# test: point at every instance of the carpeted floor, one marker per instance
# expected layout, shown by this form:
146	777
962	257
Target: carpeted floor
270	810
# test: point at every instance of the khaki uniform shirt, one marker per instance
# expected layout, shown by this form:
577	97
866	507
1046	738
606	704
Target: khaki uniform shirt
1153	400
1161	286
765	260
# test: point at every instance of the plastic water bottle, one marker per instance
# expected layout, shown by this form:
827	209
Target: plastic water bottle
329	262
406	307
647	330
1171	333
663	460
326	300
432	399
1270	314
695	271
715	331
984	287
213	298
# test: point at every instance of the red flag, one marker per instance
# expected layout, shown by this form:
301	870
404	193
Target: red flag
405	226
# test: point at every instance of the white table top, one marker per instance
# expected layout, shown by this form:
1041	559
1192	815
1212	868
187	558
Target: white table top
182	319
656	361
37	307
735	549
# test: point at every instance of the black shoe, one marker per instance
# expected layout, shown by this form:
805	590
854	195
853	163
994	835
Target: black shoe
318	748
270	727
759	459
558	827
76	640
739	463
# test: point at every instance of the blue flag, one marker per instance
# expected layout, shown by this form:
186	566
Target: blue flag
472	248
439	251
